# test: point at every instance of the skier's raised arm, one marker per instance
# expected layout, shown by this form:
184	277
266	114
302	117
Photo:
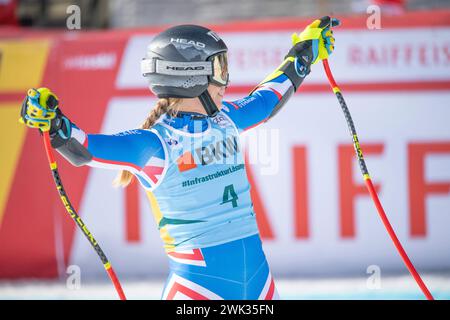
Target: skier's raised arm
315	43
129	150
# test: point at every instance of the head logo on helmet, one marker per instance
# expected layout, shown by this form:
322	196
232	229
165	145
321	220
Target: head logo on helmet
188	42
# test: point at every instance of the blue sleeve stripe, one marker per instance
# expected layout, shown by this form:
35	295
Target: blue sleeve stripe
254	109
131	148
250	111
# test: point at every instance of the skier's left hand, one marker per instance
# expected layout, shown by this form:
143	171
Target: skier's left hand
316	42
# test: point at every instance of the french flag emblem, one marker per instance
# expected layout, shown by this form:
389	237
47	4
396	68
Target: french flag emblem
154	169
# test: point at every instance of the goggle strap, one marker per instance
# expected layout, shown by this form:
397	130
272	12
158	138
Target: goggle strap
208	103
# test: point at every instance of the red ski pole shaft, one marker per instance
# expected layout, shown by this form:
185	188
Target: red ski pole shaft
369	185
73	214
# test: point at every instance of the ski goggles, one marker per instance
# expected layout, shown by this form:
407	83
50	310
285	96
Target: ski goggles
220	74
215	68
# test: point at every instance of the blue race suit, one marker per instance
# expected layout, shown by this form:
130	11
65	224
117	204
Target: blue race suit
192	169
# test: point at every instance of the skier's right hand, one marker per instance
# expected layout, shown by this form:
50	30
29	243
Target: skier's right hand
40	110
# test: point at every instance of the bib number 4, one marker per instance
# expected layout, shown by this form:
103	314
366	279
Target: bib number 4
229	195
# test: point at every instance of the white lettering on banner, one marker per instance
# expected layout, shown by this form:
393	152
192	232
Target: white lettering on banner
309	231
361	56
98	61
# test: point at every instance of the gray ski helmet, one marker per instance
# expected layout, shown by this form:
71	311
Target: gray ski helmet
181	61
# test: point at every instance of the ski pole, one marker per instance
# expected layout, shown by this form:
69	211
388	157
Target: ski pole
70	209
369	185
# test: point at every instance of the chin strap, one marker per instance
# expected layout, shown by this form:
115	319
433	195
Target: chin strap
208	103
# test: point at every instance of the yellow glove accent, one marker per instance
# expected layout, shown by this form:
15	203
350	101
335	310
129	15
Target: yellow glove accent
311	32
314	32
39	110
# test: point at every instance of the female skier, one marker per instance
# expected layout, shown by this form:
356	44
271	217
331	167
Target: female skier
188	158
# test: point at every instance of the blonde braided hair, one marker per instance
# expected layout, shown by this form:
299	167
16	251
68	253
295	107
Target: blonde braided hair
162	106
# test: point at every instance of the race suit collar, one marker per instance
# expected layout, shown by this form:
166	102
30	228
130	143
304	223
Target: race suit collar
191	122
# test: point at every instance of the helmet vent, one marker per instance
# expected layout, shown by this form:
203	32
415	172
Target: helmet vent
192	81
